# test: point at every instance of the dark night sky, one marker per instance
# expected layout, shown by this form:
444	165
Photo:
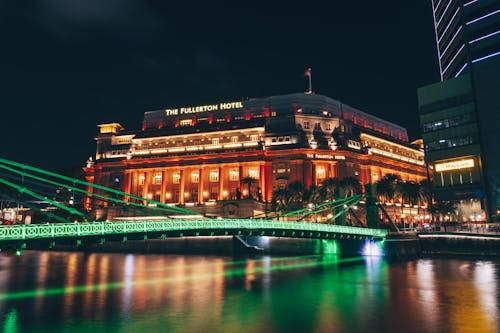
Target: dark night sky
68	65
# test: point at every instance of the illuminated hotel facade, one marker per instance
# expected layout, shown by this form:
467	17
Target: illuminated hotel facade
460	114
197	156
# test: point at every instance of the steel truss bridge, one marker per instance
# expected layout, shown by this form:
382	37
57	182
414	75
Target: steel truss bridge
18	235
19	182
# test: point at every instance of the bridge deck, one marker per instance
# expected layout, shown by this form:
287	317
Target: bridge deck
178	227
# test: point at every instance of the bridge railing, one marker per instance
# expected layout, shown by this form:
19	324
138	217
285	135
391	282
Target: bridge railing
57	230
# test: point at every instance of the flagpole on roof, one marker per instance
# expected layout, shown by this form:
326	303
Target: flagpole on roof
308	74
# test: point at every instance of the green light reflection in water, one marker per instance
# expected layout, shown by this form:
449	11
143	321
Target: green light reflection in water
10	324
325	260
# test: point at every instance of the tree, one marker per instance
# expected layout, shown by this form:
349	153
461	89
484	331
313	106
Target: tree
313	195
296	193
442	208
386	187
407	192
425	195
249	181
328	188
350	186
280	200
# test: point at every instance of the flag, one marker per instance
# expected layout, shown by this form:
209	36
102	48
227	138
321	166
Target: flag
307	72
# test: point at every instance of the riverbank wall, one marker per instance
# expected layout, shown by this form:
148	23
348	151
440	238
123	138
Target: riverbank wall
417	245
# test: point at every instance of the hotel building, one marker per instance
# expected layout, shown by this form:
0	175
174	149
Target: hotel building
199	155
460	115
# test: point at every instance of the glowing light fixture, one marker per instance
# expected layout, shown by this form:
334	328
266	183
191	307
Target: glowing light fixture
454	165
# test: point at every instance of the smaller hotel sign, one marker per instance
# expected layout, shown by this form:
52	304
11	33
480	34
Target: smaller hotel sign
325	157
455	165
204	108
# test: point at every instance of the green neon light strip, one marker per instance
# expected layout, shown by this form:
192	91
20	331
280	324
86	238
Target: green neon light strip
81	182
326	261
299	211
21	189
354	199
347	208
65	230
92	194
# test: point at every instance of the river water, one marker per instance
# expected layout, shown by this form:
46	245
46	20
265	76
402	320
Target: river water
76	292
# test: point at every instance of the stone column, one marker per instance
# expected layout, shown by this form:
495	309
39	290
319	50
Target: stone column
127	184
147	181
181	191
240	177
221	184
265	180
163	186
201	186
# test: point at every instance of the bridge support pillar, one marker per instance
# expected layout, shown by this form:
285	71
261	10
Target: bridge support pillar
371	206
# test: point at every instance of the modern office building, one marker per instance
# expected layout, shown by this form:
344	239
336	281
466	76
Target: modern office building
460	115
199	155
467	31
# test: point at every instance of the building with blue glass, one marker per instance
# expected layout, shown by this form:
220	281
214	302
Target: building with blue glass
460	115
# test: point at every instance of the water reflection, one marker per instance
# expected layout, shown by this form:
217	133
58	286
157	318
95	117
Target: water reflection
78	292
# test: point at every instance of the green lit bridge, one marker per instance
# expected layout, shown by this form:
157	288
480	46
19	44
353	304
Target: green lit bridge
69	200
18	235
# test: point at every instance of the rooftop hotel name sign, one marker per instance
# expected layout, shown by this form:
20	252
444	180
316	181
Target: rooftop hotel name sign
204	108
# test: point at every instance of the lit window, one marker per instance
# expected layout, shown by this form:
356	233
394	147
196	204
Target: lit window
195	177
176	177
157	179
215	141
306	125
234	139
253	173
214	175
320	173
234	175
141	179
254	137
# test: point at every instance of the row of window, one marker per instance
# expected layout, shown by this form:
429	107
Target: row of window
213	176
460	177
214	141
450	143
449	122
317	126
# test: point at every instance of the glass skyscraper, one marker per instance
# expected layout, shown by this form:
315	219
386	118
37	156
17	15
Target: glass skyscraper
467	31
460	115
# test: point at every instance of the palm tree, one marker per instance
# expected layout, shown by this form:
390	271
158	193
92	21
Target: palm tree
249	181
313	195
280	200
386	187
408	193
296	192
442	208
351	186
425	195
328	189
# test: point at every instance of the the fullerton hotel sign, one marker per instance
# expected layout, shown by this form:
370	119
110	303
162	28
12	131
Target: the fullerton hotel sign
204	108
